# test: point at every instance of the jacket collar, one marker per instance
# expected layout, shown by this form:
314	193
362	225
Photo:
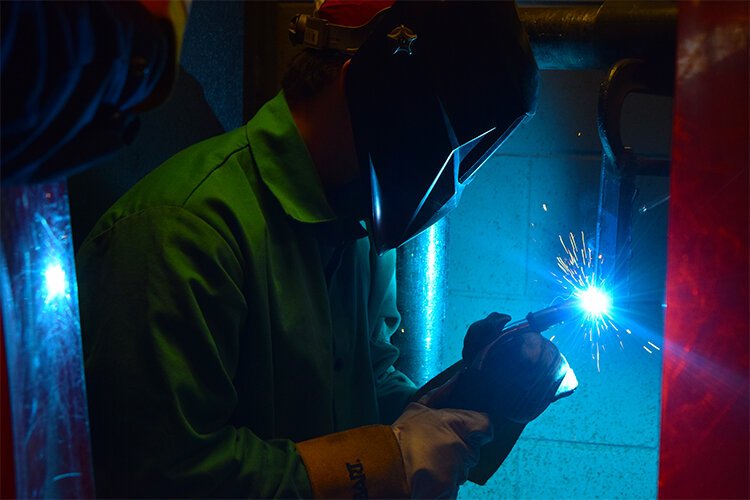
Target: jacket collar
285	166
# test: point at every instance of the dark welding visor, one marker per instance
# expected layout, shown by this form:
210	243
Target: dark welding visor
433	91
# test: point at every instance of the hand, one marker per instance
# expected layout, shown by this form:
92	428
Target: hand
513	378
526	373
439	447
482	333
516	377
436	392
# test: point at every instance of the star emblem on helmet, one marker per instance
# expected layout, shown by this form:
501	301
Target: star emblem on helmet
402	39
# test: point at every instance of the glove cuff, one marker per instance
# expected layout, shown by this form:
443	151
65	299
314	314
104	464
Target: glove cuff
365	462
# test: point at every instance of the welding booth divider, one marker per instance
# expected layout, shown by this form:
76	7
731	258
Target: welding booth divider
705	423
7	465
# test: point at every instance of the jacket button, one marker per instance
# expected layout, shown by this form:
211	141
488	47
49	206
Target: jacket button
338	364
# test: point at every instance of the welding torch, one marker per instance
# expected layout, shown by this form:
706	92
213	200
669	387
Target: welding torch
515	376
543	319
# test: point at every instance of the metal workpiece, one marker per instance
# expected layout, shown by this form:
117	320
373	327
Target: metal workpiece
596	36
646	66
621	165
627	76
634	41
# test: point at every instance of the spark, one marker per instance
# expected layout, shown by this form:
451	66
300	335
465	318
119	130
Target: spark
654	345
580	279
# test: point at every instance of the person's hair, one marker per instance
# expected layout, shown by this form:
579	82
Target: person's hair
309	72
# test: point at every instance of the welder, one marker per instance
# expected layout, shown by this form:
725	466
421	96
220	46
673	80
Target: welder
237	303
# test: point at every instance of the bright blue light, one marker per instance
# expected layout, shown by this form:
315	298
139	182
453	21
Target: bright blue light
595	301
55	281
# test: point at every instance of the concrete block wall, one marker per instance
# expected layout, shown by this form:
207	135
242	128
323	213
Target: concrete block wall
503	240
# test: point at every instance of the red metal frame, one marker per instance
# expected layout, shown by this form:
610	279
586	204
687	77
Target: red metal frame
704	429
7	466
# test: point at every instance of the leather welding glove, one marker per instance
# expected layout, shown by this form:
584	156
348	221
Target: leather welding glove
426	453
479	335
514	378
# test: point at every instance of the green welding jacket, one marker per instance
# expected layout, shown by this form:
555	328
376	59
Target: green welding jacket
227	314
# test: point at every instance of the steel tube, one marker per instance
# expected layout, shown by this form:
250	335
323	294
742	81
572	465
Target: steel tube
576	37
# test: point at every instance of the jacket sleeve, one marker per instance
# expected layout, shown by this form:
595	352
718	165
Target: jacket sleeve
393	387
162	308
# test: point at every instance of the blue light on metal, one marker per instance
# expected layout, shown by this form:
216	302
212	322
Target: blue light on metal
421	301
55	281
430	285
43	345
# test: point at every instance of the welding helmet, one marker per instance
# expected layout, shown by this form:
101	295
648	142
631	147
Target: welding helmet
433	89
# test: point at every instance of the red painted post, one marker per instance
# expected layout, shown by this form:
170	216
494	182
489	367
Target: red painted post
7	466
704	426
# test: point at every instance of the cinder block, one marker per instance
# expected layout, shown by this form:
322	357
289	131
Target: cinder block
565	122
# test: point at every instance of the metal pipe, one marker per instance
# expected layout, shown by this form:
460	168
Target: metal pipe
421	277
585	36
